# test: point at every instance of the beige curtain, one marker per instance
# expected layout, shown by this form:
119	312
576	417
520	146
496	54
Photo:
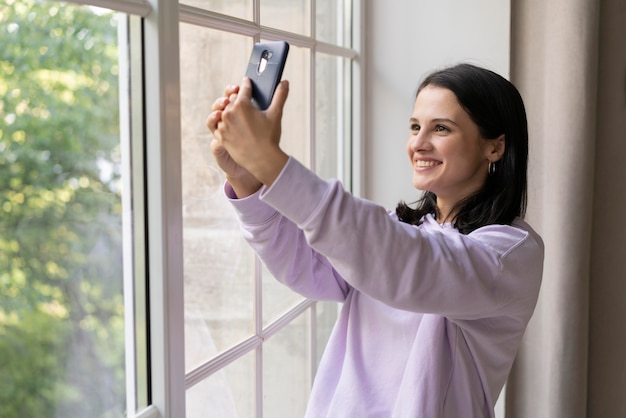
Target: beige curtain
569	62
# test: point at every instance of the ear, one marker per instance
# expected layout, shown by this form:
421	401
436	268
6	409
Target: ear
495	149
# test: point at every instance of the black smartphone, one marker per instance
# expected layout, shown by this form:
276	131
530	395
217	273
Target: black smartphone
265	70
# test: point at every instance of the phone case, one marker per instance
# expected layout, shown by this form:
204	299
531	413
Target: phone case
265	70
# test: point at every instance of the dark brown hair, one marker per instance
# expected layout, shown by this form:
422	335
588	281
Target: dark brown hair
496	106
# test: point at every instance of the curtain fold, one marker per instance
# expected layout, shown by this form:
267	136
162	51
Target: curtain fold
607	332
554	65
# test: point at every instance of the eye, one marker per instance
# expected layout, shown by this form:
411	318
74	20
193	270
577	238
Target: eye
441	128
415	127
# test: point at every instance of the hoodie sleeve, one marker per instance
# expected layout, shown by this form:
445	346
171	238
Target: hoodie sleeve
283	248
430	269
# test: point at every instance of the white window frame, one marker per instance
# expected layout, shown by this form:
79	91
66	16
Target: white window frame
164	246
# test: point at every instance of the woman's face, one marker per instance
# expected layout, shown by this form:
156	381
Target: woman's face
448	155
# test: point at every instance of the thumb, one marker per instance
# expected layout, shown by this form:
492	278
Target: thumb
279	99
217	148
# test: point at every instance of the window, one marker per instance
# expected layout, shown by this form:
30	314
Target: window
252	345
125	287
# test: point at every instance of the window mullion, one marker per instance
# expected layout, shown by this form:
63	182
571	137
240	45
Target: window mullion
313	342
222	360
131	7
357	155
258	329
312	360
256	12
208	19
149	412
164	203
127	221
312	108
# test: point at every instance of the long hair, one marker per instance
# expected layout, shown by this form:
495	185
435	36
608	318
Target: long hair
495	105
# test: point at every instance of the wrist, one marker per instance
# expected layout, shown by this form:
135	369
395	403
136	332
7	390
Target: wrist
244	186
268	168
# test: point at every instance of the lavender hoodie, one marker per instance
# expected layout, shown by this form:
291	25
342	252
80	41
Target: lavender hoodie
431	319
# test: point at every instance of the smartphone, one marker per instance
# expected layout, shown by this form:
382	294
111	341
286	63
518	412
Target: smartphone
265	70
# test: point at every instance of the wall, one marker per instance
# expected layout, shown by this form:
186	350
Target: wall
405	40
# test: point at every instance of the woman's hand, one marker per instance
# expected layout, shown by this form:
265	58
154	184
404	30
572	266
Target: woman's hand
243	183
248	136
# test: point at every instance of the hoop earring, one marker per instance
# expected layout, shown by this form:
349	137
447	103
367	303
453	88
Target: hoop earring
491	170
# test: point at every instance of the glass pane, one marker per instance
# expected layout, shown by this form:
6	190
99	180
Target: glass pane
333	20
277	298
218	264
326	314
61	302
286	370
288	15
296	119
229	393
236	8
327	118
332	117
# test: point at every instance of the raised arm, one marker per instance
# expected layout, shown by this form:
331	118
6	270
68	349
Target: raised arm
495	270
283	248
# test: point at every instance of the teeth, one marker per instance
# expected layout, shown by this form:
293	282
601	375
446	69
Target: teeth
425	163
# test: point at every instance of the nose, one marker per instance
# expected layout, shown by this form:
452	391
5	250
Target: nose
418	141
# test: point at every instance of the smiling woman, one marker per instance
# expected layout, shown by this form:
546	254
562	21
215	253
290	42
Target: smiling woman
483	153
441	324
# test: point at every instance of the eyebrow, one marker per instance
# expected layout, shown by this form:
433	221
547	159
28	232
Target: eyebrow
437	120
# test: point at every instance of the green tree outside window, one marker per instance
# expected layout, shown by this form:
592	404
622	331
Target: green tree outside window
61	302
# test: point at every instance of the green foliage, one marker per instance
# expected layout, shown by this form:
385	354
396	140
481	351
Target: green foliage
61	305
31	352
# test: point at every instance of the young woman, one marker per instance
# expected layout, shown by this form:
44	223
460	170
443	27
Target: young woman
436	298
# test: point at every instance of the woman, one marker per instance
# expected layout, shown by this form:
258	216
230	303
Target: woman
436	298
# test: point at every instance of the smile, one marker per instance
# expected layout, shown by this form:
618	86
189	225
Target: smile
422	163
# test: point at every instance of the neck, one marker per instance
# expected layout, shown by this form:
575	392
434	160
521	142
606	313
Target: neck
445	213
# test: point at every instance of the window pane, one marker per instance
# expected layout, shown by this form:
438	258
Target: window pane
327	144
218	264
326	313
296	119
229	393
333	20
277	298
332	117
288	15
61	302
286	377
237	8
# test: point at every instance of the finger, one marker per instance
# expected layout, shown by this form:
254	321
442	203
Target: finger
213	120
233	88
220	104
245	91
279	99
216	147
